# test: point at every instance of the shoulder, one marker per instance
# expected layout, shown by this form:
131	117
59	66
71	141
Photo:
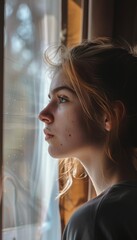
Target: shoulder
104	215
117	214
81	224
118	203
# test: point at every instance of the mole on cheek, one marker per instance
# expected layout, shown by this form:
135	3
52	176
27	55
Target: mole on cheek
69	135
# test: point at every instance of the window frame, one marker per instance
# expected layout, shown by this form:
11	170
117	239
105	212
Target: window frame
1	104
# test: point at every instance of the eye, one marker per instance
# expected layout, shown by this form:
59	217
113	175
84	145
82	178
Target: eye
62	99
49	100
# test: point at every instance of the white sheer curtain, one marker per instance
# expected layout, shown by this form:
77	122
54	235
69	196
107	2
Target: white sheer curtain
46	188
30	207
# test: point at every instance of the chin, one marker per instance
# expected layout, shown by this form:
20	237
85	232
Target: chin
58	154
53	153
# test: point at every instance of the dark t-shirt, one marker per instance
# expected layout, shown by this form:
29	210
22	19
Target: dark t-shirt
110	216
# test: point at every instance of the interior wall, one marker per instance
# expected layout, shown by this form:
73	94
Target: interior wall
125	20
113	18
101	17
74	24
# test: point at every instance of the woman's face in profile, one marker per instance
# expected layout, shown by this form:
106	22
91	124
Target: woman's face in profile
65	128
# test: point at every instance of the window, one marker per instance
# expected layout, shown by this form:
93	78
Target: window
30	207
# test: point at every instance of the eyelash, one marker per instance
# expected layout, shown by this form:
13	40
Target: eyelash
62	98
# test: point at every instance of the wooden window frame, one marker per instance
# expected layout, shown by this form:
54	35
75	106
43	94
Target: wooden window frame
1	105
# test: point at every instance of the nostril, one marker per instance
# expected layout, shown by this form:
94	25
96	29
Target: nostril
42	115
47	118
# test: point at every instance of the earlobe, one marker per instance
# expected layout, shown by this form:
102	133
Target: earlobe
108	124
119	113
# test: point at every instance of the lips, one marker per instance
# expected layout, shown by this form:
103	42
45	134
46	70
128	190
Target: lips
48	134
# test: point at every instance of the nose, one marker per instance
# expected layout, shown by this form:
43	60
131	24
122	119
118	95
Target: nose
46	116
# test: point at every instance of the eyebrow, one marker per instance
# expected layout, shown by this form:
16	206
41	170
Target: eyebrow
55	90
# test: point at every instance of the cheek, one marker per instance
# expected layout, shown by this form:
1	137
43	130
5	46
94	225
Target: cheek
72	127
76	130
69	130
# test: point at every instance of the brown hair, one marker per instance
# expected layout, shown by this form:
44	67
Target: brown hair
102	72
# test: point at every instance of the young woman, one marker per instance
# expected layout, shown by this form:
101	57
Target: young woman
92	116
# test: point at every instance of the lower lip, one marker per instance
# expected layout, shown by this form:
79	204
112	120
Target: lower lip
48	137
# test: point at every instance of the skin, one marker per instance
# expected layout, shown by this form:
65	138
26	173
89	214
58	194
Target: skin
63	118
68	136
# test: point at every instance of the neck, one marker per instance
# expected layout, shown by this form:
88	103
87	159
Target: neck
104	173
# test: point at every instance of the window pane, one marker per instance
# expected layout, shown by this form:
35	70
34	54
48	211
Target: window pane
30	185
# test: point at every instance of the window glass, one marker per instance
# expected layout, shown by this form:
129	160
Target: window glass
30	207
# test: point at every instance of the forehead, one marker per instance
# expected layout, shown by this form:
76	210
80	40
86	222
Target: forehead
60	79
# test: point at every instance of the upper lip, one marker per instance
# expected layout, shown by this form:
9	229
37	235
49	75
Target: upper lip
47	132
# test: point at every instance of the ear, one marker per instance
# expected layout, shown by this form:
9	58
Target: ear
119	110
107	123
